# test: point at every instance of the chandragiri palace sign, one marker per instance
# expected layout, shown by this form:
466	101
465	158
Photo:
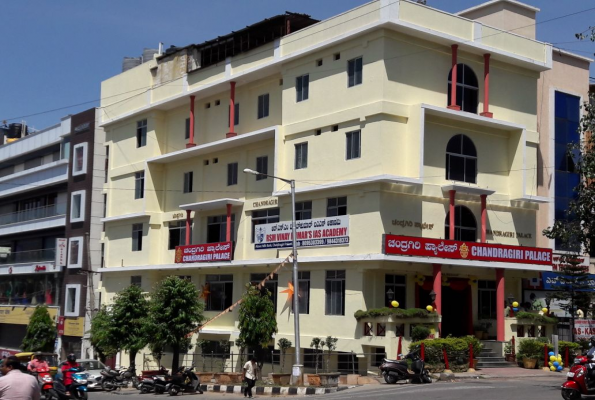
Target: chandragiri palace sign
330	231
203	252
473	251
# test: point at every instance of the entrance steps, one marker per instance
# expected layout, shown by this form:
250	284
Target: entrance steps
489	358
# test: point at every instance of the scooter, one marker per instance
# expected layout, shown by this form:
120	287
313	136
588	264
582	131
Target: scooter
184	381
397	370
78	388
112	379
577	379
155	383
47	383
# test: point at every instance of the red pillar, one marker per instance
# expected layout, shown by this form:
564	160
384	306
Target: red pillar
228	226
191	142
437	287
486	87
453	87
499	304
484	218
232	109
188	227
451	210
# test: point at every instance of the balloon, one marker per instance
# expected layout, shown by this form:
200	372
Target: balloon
544	309
560	368
430	308
515	304
515	309
553	358
556	364
394	303
552	368
550	364
551	353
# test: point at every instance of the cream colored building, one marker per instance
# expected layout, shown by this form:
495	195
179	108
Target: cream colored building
359	111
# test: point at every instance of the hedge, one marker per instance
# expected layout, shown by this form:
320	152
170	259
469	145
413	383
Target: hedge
394	312
536	318
457	351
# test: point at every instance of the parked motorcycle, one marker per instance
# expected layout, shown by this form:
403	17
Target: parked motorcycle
47	383
398	370
156	383
78	388
184	381
577	379
112	379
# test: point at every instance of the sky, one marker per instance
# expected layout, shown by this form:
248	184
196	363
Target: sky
57	53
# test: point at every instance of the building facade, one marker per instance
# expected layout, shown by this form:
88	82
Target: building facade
412	136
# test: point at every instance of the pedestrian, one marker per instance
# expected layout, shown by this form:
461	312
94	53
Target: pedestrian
250	376
15	385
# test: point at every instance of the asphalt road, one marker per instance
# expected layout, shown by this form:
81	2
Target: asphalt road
484	389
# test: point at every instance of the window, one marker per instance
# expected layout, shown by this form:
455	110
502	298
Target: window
232	174
79	161
310	359
567	118
139	185
262	166
335	293
75	252
141	133
301	155
395	288
77	206
177	234
319	62
136	280
221	292
302	87
347	362
486	291
188	178
34	162
187	129
303	210
336	206
236	114
466	88
354	145
465	225
303	292
354	72
72	302
271	285
7	171
65	148
260	217
263	106
217	228
137	237
106	165
461	160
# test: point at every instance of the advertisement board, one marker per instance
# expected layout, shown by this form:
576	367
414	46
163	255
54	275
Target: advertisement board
554	281
330	231
584	328
20	314
209	252
473	251
61	252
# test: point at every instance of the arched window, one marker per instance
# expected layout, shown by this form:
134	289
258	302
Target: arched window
466	88
461	159
465	225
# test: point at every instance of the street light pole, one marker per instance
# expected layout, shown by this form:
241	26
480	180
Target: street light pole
298	367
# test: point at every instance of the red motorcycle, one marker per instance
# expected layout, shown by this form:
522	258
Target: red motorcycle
47	383
576	383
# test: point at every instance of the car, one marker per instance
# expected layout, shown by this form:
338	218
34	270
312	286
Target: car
93	368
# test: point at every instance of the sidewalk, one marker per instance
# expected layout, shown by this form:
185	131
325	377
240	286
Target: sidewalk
501	373
273	390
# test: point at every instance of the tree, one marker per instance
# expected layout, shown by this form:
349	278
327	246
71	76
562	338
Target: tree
257	318
331	345
176	310
41	331
129	314
283	344
318	345
101	336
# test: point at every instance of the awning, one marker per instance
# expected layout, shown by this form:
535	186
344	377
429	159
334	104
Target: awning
211	205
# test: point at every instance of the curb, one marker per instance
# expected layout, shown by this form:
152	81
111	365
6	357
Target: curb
274	390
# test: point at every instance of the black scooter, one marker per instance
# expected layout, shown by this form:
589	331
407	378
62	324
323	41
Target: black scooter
184	381
155	383
397	370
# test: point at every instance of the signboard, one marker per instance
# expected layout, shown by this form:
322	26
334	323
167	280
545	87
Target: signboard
8	352
39	268
20	314
330	231
584	328
472	251
60	326
61	252
581	261
209	252
553	281
74	326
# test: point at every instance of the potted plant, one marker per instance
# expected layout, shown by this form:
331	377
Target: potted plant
282	378
317	344
486	329
508	354
530	350
329	378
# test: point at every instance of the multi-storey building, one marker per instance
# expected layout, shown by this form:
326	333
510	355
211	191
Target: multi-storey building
403	126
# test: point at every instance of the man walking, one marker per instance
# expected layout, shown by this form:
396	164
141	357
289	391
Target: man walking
14	385
250	376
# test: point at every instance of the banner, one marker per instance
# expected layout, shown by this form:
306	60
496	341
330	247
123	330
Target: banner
20	314
584	328
209	252
472	251
553	281
330	231
61	251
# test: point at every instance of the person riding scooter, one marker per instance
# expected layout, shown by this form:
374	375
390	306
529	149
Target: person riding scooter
37	363
66	369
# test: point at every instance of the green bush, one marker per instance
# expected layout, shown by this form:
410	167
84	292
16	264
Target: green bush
536	318
395	312
456	349
530	348
573	348
419	332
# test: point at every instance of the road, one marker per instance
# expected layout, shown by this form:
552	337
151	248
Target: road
484	389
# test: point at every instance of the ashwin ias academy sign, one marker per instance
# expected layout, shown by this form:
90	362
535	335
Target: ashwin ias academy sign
331	231
426	247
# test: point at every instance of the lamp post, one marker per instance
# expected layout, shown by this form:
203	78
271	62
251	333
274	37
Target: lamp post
298	368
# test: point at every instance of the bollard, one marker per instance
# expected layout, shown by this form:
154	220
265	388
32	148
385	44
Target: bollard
400	348
566	356
471	356
513	349
446	366
547	358
423	352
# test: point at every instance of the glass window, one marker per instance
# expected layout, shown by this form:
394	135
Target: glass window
303	210
263	106
395	288
72	300
141	133
335	293
65	148
347	363
75	252
486	291
262	166
177	234
187	129
236	114
221	292
336	206
232	174
267	216
188	178
106	164
136	280
354	71
137	237
467	88
79	162
302	87
139	185
303	292
77	206
271	285
217	228
301	155
354	145
461	160
465	225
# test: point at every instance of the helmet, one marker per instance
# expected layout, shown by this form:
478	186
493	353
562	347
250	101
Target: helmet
71	357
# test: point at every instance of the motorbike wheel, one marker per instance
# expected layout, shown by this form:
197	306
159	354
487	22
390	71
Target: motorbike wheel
390	379
159	390
135	382
144	389
51	395
173	391
570	394
426	378
82	395
108	386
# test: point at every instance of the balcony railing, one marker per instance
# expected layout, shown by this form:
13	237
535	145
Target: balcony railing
33	214
31	256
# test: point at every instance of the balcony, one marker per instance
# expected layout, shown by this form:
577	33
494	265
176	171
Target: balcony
30	256
33	219
35	178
